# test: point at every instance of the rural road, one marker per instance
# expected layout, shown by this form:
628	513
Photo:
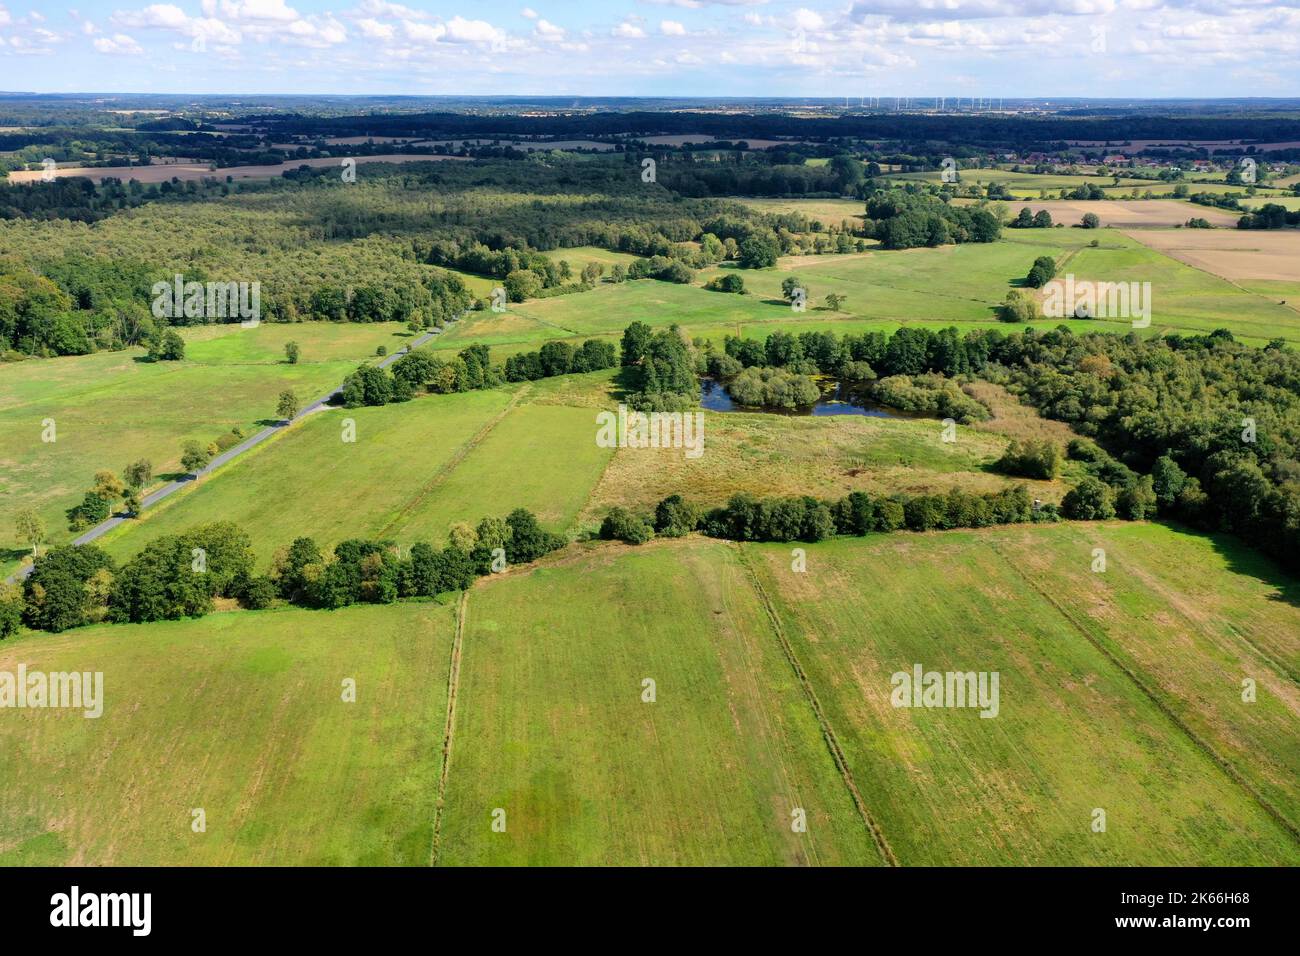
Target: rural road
153	498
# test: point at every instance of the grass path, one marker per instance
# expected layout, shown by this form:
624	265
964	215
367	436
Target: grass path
444	472
453	685
833	744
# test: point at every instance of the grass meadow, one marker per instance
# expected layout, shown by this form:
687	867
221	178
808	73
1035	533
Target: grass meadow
1085	676
551	726
1119	691
111	408
240	715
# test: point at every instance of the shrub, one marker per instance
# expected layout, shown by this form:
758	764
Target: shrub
773	387
257	593
1030	459
622	525
729	282
675	517
1089	500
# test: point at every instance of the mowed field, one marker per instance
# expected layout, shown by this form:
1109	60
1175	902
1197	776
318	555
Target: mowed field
242	716
1118	691
1266	262
1132	214
413	470
111	408
552	729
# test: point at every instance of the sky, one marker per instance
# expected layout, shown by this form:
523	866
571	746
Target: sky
852	48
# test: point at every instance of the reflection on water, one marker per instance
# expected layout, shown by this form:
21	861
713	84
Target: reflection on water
838	398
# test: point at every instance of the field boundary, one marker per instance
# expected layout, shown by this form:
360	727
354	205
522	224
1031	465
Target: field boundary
450	465
1272	300
828	734
1204	746
449	729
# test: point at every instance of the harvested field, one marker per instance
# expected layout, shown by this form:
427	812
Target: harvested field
1140	213
1236	254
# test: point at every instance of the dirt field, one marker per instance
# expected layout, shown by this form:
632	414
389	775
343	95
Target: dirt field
1142	213
1236	255
187	171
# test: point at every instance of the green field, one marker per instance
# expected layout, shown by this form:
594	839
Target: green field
240	715
552	729
309	481
950	285
1076	731
1119	691
414	470
1032	185
111	408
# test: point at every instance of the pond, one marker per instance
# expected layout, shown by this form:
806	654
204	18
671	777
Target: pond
838	398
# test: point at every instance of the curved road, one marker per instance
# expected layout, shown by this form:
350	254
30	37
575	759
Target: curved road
153	498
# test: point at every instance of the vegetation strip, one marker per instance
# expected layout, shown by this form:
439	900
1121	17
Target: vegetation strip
837	754
453	683
449	466
1224	764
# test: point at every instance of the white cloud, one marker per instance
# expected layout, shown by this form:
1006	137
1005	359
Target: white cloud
460	30
375	30
424	32
528	13
549	31
259	10
671	28
628	30
119	44
805	19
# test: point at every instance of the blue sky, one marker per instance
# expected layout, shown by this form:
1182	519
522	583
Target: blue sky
1007	48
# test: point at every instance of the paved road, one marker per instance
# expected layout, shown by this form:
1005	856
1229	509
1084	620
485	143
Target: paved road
153	498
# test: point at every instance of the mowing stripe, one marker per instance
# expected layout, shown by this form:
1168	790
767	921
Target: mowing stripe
450	464
1204	746
832	743
453	683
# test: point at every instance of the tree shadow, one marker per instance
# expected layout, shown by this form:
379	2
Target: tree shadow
171	476
1242	558
623	384
14	554
267	423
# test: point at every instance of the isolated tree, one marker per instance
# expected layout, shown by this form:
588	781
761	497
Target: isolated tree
194	456
1090	220
287	408
167	346
292	352
788	287
138	474
30	528
108	486
835	301
1020	306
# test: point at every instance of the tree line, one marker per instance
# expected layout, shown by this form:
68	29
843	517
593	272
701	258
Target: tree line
179	576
